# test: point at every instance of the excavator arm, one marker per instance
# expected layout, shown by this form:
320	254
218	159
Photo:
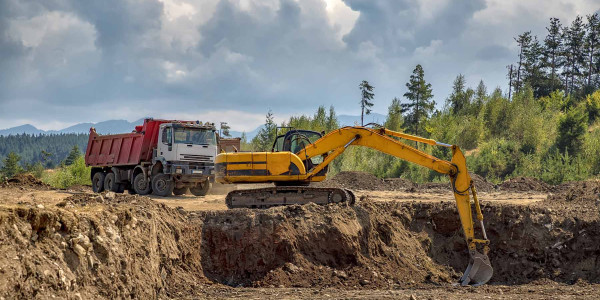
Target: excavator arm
273	167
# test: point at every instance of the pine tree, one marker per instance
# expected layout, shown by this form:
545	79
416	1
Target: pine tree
366	100
73	155
394	120
575	57
571	131
511	79
480	96
524	42
332	122
11	165
420	99
552	51
533	69
592	41
458	100
266	135
319	121
224	130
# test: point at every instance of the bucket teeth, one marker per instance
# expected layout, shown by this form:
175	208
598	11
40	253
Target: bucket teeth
479	270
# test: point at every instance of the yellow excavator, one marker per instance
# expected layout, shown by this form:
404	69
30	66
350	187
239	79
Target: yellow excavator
300	157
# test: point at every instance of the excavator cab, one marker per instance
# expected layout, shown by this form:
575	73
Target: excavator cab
296	141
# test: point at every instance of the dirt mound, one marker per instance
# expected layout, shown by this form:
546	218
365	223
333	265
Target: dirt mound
26	181
525	184
355	180
130	248
481	184
369	182
580	199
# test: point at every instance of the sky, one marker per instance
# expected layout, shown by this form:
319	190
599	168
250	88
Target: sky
64	62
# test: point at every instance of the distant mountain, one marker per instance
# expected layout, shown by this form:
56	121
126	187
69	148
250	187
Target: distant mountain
123	126
27	128
105	127
249	135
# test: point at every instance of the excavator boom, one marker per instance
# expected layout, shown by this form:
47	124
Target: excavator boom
306	161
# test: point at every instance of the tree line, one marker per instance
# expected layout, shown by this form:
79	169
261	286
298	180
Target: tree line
567	59
48	149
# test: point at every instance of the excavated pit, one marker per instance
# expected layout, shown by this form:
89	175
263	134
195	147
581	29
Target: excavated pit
387	244
117	246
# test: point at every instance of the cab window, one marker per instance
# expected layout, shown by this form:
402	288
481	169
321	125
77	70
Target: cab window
166	135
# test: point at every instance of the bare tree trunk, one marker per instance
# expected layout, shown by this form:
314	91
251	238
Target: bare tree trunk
519	70
510	74
362	113
589	81
417	121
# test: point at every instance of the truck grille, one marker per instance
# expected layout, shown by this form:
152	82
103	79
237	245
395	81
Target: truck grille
196	158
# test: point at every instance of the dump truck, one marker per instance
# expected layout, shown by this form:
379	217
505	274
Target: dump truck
162	157
300	157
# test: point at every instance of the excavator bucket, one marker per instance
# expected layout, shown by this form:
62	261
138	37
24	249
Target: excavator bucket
479	270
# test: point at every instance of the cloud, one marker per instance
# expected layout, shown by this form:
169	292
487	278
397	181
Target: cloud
69	61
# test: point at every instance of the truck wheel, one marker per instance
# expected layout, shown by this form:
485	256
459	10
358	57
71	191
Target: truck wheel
111	185
141	185
162	185
180	191
98	182
201	189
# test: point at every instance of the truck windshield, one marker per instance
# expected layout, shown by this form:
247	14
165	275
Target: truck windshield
195	136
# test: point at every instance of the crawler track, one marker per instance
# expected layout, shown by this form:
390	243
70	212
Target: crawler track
288	195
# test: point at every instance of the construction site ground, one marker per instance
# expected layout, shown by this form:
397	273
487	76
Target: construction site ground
400	241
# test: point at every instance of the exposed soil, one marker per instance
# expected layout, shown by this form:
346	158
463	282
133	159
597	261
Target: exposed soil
25	181
525	184
367	181
78	244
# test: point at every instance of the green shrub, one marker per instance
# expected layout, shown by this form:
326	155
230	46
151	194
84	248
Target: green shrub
559	167
66	176
496	159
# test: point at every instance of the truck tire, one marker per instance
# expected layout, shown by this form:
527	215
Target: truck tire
180	191
98	182
162	185
110	184
201	189
141	185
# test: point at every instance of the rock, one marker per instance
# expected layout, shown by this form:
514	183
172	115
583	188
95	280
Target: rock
364	282
340	274
40	206
413	297
110	195
291	268
34	237
79	250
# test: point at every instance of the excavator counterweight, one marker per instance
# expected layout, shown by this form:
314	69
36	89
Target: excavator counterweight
300	157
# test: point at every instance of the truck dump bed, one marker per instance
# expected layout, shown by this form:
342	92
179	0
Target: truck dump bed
124	149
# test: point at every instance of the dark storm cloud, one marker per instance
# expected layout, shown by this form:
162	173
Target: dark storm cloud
398	27
492	52
73	61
